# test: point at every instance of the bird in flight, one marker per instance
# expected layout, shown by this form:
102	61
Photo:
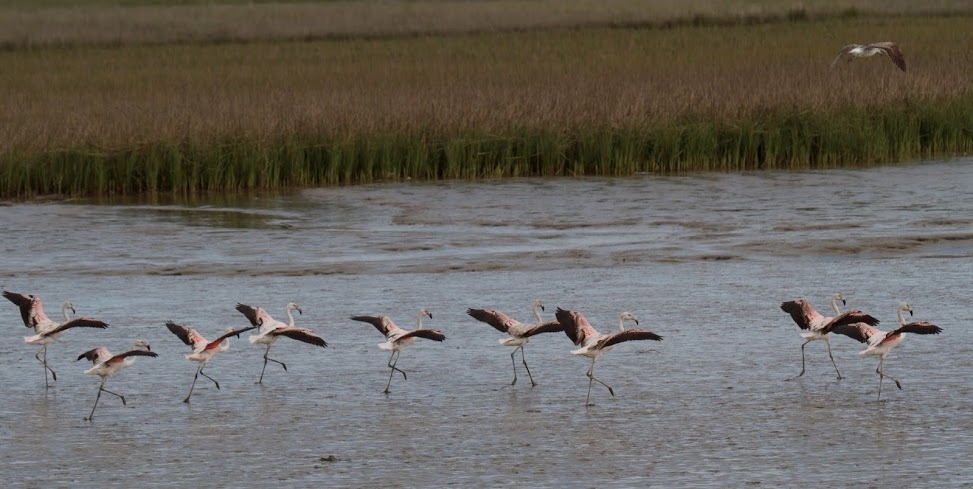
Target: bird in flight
887	48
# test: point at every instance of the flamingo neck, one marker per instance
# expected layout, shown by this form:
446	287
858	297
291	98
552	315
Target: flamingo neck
834	305
290	317
537	315
901	317
64	312
419	321
621	324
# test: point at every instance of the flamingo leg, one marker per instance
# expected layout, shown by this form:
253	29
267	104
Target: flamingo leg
100	388
592	378
802	360
210	378
198	370
882	375
268	359
394	368
513	363
828	342
524	359
44	363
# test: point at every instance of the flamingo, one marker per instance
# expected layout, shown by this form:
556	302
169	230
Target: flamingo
818	326
108	364
47	331
881	343
888	48
396	338
594	344
518	333
203	349
270	329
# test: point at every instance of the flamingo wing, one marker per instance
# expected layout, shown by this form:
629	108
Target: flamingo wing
82	322
31	310
429	334
548	327
301	334
627	335
497	319
858	331
257	315
383	324
233	332
891	50
576	326
850	317
802	312
918	327
96	355
132	353
188	336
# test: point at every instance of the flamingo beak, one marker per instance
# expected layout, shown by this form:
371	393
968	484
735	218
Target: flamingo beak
844	302
299	311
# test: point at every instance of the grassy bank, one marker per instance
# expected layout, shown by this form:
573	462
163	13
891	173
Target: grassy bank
188	117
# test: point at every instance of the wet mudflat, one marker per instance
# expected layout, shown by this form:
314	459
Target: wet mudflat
703	260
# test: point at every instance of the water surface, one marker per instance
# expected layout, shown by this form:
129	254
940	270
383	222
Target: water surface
703	260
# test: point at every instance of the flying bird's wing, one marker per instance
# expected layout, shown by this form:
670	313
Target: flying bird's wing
429	334
233	332
497	319
918	327
301	334
801	312
83	322
891	50
383	324
628	335
842	52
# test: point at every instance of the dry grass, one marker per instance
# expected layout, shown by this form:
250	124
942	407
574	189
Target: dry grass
545	102
31	24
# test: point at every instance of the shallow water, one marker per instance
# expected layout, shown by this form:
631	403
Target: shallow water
703	260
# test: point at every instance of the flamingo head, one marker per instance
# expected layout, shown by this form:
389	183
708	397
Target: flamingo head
425	313
905	307
838	296
627	316
537	303
65	306
292	306
141	344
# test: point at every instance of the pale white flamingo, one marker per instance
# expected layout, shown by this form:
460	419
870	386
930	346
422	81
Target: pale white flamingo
203	349
396	338
270	329
817	327
888	48
881	343
108	364
518	333
46	330
594	344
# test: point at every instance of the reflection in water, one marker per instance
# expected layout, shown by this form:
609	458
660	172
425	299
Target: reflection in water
703	260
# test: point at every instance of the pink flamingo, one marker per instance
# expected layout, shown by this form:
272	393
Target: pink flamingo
270	329
818	327
518	333
880	343
108	364
396	338
46	330
203	349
